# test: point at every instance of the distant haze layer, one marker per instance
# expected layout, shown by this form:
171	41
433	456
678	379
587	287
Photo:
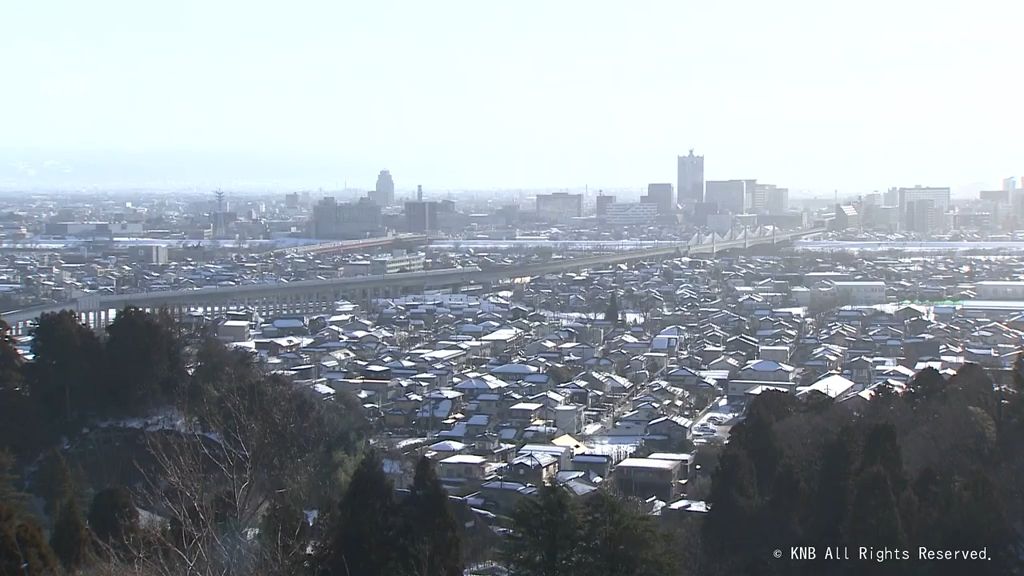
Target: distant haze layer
815	96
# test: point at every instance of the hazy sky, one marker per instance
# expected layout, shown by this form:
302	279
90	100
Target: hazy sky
814	95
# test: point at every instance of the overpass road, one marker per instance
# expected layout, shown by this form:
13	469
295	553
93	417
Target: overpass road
318	296
352	245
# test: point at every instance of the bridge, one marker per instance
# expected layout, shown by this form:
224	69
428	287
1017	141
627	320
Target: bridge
360	245
319	296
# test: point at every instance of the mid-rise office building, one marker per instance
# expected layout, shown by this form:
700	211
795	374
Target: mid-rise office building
559	207
923	217
602	202
346	221
998	202
892	197
940	196
421	215
847	217
880	218
397	262
770	199
731	196
923	208
630	214
661	196
690	178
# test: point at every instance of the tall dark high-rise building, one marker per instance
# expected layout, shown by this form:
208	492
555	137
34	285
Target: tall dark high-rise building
690	183
384	192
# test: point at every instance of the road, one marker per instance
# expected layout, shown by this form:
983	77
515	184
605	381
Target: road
308	294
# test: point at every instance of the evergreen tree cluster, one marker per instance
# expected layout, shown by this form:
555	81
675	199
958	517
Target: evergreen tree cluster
372	533
554	535
76	374
261	451
937	466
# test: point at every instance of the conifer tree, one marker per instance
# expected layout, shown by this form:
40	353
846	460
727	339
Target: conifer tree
874	518
544	536
71	540
734	502
882	449
926	384
432	534
831	497
612	314
9	492
145	360
362	537
616	538
67	366
53	482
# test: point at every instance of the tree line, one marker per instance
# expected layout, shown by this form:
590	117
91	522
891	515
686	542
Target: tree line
938	465
267	478
244	445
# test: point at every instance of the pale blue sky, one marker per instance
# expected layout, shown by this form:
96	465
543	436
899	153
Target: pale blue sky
815	95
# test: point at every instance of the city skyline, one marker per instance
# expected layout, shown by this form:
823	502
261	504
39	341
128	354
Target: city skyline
475	97
457	273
